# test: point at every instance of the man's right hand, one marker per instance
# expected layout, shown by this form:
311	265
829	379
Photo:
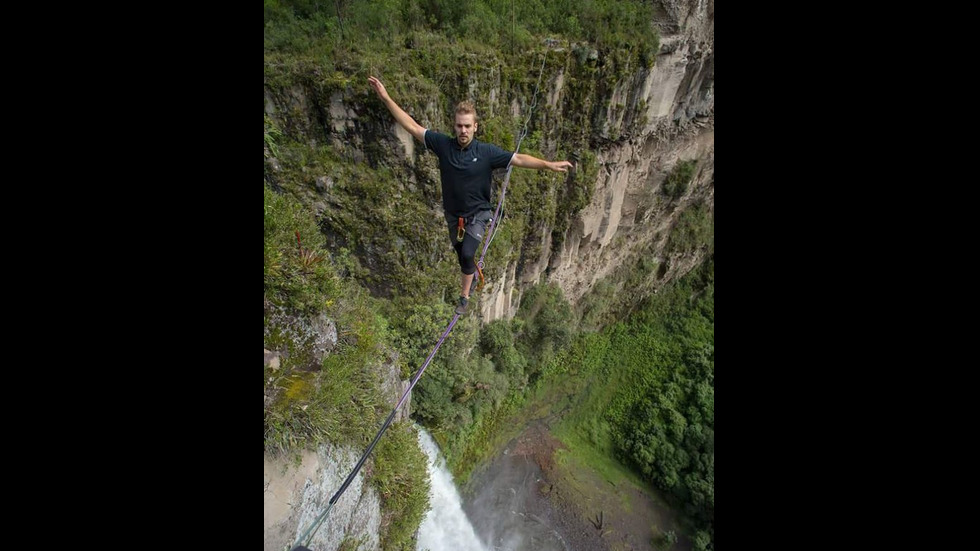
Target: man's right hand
379	88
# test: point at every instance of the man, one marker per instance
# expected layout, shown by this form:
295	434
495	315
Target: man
465	166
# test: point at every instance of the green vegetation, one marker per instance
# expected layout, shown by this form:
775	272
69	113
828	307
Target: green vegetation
677	182
372	257
299	25
640	390
338	400
544	325
655	408
295	277
497	342
430	54
619	293
306	403
695	228
272	137
636	400
401	477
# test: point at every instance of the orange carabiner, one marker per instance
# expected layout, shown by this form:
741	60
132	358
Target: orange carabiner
460	230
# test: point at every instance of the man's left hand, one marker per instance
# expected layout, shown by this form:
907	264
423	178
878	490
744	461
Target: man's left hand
560	166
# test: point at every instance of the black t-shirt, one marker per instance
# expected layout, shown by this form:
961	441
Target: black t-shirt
465	173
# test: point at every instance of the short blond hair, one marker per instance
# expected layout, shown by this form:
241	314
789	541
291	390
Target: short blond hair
466	108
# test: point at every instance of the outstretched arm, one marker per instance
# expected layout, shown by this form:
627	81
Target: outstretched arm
401	117
527	161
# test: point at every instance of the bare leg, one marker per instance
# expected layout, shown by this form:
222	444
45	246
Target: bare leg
467	281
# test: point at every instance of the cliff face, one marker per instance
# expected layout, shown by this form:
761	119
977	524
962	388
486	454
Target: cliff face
635	215
648	122
631	124
296	493
298	486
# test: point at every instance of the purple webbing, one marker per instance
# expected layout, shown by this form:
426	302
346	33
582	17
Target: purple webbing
427	360
503	193
496	215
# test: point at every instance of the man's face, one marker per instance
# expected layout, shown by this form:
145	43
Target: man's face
465	128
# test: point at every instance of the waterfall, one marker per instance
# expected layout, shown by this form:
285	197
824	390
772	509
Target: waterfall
445	527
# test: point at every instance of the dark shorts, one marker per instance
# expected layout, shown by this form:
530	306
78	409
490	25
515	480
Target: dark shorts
475	228
476	225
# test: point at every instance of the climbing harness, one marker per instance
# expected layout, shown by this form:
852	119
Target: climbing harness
304	540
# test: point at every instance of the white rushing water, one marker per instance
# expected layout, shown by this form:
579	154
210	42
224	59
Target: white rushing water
445	527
